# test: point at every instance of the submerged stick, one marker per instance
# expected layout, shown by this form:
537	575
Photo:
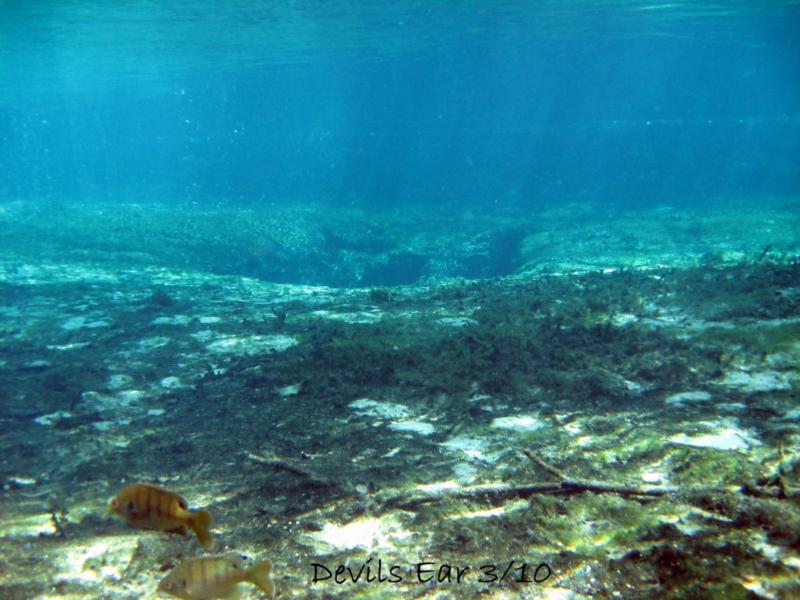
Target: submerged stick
539	462
281	464
566	485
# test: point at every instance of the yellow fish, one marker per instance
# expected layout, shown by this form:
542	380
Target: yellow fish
216	576
148	506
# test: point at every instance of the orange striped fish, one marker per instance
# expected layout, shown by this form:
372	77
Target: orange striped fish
216	576
148	506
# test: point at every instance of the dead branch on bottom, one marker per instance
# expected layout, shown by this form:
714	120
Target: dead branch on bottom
281	464
768	488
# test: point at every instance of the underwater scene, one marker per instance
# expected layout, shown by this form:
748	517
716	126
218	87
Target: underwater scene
420	299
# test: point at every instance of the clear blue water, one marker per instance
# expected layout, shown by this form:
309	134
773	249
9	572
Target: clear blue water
387	103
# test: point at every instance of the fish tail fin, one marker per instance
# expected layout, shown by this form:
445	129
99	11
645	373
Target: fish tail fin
200	522
259	575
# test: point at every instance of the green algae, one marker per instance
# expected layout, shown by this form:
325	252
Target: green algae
759	338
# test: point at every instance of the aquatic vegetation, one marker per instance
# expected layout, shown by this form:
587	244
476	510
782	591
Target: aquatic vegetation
509	345
380	295
161	298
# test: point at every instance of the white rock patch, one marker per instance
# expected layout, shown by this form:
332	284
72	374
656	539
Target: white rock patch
369	532
622	319
465	473
419	427
691	396
121	399
457	321
74	323
349	317
385	410
653	477
151	343
203	336
519	423
176	320
63	347
253	344
763	381
119	381
473	447
172	383
97	324
209	320
729	438
52	418
289	390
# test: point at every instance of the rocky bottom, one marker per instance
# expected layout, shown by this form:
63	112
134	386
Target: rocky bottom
622	432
